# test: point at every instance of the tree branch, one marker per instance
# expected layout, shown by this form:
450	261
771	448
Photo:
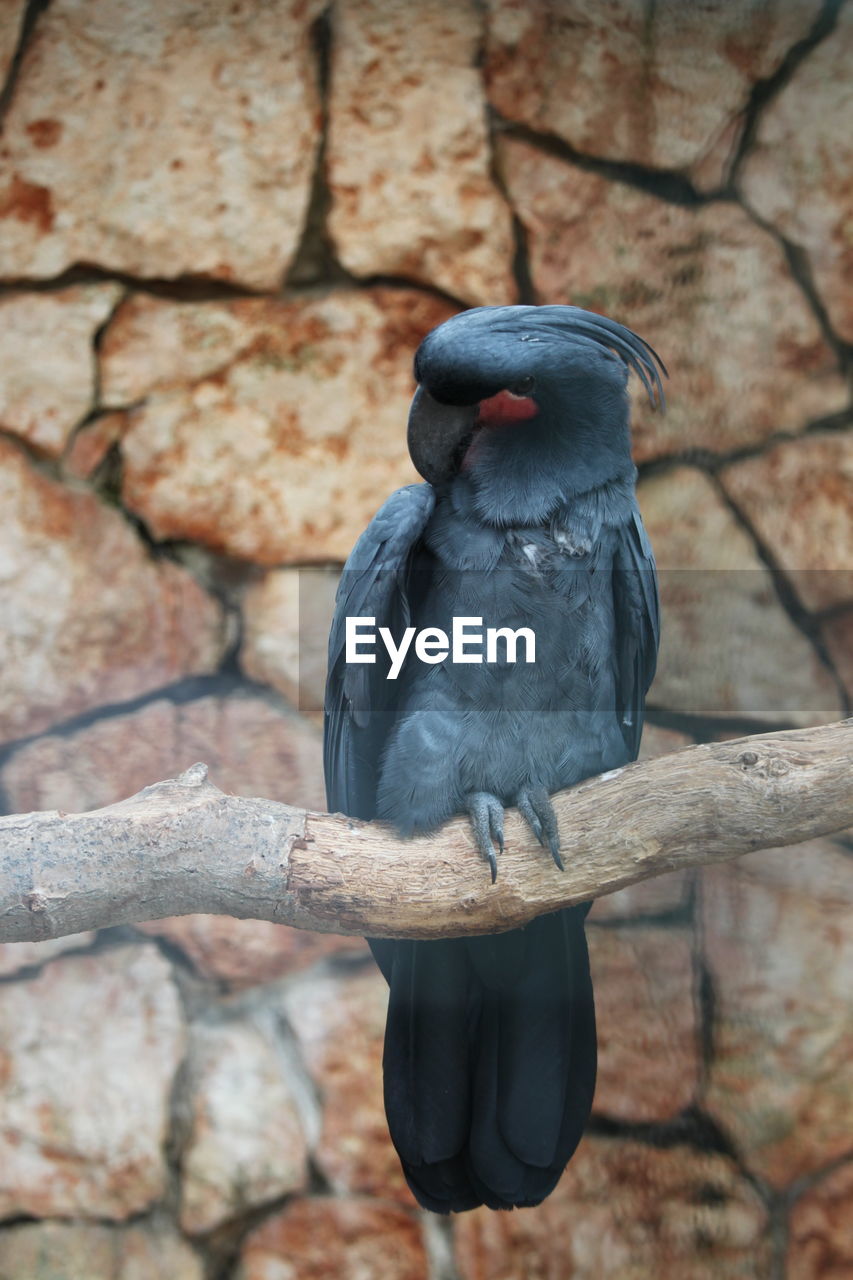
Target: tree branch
182	846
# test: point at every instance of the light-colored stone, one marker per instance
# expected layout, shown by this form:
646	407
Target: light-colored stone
350	1239
246	1146
837	633
74	1250
286	618
797	173
727	646
339	1022
648	1040
662	84
252	749
283	430
624	1211
710	291
15	956
89	1051
408	153
798	497
820	1238
778	941
91	444
88	617
161	140
244	953
48	361
11	15
661	894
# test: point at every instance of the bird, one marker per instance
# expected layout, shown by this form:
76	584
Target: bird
527	517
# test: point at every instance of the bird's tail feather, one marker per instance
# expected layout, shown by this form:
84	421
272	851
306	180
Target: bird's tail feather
490	1059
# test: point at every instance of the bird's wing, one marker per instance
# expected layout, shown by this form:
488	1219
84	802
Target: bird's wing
359	699
637	619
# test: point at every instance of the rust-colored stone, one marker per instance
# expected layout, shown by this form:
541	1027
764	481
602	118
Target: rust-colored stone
820	1236
339	1022
11	15
245	1146
798	497
710	290
90	1048
663	85
72	1250
797	173
623	1211
779	946
727	646
350	1239
648	1044
408	153
287	615
89	616
271	429
48	361
159	141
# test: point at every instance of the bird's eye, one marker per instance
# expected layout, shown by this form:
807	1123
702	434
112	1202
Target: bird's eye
524	387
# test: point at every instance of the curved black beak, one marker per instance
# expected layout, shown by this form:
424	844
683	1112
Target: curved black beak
438	436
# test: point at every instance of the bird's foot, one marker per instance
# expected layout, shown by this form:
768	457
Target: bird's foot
534	805
487	819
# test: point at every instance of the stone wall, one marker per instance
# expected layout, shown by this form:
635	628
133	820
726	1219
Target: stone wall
224	227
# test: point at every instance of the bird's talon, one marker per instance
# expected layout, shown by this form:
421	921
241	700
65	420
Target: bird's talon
535	807
487	821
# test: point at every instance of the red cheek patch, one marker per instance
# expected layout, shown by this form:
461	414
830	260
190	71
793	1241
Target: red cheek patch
505	408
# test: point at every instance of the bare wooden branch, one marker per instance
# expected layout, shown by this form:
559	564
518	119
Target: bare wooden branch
182	846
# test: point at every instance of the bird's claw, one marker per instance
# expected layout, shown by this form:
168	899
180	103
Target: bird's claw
487	820
534	805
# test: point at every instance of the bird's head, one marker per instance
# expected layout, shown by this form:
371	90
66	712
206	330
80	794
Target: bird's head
526	401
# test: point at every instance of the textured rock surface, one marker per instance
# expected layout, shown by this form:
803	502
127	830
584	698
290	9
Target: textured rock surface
408	155
243	953
271	430
648	1063
798	497
286	619
15	956
252	750
821	1236
90	617
663	85
137	142
623	1211
721	615
340	1025
89	1051
838	637
48	360
72	1250
799	152
707	288
350	1239
779	945
246	1146
11	14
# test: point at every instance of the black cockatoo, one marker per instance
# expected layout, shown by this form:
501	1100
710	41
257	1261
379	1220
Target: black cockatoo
528	518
